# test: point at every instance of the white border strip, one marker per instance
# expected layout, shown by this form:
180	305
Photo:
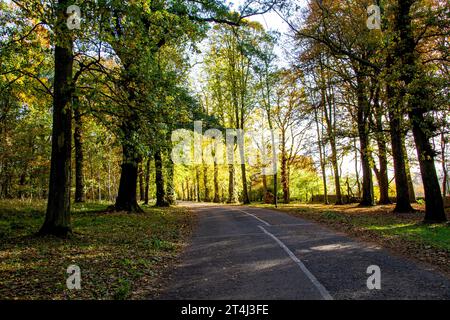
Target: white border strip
323	291
261	220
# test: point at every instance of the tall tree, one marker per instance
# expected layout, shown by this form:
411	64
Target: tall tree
412	73
57	218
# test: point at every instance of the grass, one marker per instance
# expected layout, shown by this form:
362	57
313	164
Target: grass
403	233
121	255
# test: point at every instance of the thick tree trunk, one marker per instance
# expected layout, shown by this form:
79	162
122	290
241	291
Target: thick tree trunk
57	218
395	112
159	181
127	195
434	204
401	181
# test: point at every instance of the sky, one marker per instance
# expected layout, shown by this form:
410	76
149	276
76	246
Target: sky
271	21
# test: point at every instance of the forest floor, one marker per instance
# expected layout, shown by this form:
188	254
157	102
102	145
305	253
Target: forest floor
404	234
120	255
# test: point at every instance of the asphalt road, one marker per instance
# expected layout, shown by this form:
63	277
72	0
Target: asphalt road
251	253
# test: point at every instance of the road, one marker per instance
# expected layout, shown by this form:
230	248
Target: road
240	252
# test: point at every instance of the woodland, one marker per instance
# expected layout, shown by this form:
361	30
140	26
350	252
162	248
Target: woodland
90	99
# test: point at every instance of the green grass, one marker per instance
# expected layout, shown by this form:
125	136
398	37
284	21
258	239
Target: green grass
118	253
437	235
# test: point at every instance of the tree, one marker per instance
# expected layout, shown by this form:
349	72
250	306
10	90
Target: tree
411	72
57	218
289	98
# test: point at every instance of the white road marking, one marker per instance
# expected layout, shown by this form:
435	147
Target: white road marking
292	224
261	220
231	235
323	291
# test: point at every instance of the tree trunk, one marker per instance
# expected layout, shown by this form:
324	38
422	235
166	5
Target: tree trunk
332	139
205	183
264	182
367	185
231	193
159	181
183	192
321	158
412	194
444	165
335	165
197	185
245	198
216	183
405	49
79	155
284	173
170	193
109	180
274	159
147	180
358	184
141	182
434	204
263	169
188	191
395	112
363	131
22	181
127	195
382	174
401	181
57	218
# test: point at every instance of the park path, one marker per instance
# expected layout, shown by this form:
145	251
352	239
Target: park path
240	252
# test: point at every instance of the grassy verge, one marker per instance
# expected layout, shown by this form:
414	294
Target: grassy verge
402	233
121	256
